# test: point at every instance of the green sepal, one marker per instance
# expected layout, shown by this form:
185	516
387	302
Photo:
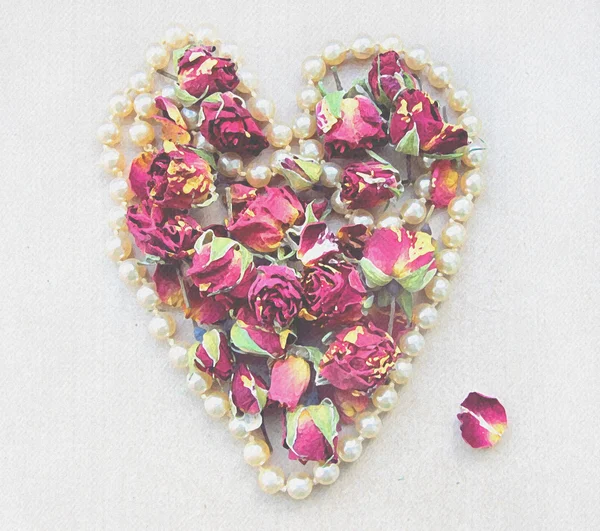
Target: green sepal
208	157
418	279
240	339
373	276
178	54
333	100
448	156
405	299
186	99
311	173
410	143
408	81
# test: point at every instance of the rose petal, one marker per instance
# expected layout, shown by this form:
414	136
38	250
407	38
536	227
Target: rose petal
289	380
483	420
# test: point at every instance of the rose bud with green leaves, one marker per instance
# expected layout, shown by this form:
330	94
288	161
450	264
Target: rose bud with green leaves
249	392
369	184
444	182
388	76
289	380
213	355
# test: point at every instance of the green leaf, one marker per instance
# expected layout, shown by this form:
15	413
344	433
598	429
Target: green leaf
178	54
418	279
192	356
186	99
314	355
449	156
242	341
334	102
219	247
409	145
373	276
208	157
211	341
408	81
405	299
326	418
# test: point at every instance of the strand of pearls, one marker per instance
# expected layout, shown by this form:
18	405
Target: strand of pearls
138	98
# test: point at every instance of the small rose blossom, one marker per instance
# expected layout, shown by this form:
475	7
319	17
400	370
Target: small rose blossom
166	234
174	178
249	392
334	293
276	295
317	243
357	125
208	310
227	124
289	380
444	182
311	432
201	73
359	358
213	356
168	287
483	420
261	217
368	184
352	240
173	126
388	76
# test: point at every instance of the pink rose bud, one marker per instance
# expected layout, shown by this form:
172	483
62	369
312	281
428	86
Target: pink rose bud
202	74
388	76
368	184
212	355
168	287
248	391
444	181
289	380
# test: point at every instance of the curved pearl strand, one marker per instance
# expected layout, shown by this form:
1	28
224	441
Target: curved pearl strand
162	325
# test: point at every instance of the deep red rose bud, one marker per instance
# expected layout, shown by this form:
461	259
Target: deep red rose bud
202	74
368	184
167	234
352	240
207	310
213	356
359	358
248	390
276	295
444	182
334	293
174	178
228	125
168	288
388	76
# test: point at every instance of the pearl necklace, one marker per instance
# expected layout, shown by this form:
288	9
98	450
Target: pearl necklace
138	99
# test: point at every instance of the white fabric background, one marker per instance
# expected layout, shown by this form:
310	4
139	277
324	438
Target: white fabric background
98	432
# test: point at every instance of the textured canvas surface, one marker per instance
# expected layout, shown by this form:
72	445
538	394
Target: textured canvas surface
98	432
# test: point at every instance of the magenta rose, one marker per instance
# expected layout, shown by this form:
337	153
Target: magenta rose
368	184
249	392
359	358
387	77
169	235
350	126
334	293
276	295
202	74
178	178
213	356
228	125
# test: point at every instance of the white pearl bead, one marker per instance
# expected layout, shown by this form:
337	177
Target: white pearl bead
112	160
119	190
392	43
199	382
109	134
216	404
120	105
349	448
261	109
176	37
271	479
385	397
312	149
118	247
472	183
459	99
279	135
308	97
313	68
390	221
425	315
230	165
162	326
454	234
331	175
368	424
334	53
157	56
248	81
413	211
206	34
470	123
417	58
438	289
402	371
190	117
326	474
144	105
412	343
299	486
363	47
460	208
238	428
448	261
277	157
141	133
361	217
439	75
178	356
474	156
258	175
422	186
131	272
337	204
117	217
304	126
202	143
141	82
231	51
256	452
169	92
147	297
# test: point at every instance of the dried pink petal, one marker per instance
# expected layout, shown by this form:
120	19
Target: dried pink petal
483	420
